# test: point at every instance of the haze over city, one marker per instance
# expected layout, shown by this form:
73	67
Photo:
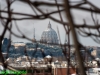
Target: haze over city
27	26
50	37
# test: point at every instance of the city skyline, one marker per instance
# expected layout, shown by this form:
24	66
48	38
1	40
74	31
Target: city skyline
27	26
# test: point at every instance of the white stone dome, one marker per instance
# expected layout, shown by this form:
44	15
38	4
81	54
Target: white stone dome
49	35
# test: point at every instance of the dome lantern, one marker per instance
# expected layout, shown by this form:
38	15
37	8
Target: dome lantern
49	25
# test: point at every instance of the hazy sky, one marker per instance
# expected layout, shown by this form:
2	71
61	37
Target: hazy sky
27	26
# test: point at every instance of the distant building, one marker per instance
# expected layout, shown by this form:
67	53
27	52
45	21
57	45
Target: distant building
19	48
64	71
6	42
49	35
18	44
94	53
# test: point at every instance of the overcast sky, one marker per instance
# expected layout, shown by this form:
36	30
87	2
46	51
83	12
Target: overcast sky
27	26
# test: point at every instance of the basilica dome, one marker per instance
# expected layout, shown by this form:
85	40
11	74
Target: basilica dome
49	35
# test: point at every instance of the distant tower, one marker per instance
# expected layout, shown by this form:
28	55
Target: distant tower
65	38
34	35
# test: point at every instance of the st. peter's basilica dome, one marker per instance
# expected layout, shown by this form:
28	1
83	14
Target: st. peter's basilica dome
49	35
